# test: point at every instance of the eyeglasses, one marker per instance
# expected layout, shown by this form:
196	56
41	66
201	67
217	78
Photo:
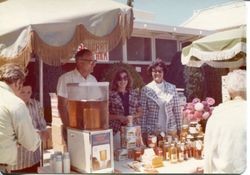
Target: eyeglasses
157	71
125	78
91	61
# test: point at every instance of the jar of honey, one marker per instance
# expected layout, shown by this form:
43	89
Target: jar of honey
158	151
181	148
192	129
151	141
160	144
137	154
166	150
198	150
173	153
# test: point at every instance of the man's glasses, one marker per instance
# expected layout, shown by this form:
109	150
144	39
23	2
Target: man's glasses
91	61
157	71
124	78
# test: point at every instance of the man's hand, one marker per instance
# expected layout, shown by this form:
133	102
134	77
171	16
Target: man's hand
44	135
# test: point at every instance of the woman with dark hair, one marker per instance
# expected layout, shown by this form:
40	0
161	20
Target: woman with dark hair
160	103
123	101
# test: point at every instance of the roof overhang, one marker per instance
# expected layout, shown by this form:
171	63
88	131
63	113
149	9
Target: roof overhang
181	34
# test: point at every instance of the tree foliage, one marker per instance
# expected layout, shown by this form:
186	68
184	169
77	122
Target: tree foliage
194	80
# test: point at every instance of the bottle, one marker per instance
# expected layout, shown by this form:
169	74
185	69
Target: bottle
58	164
190	149
52	162
169	139
137	154
173	153
166	151
184	133
198	149
186	151
66	162
192	129
158	152
130	120
181	152
160	135
151	141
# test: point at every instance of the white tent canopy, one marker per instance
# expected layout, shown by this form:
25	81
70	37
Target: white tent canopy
219	17
52	29
225	49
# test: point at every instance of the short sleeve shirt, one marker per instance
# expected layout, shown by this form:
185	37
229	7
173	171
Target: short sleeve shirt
71	77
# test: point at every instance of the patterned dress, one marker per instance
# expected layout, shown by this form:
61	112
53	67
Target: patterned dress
116	107
150	105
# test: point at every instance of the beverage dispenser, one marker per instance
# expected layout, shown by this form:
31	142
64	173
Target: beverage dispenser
90	142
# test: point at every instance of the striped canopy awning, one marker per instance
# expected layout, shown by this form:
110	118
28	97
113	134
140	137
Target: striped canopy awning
225	49
52	29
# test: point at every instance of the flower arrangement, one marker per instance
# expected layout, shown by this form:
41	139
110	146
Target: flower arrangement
198	110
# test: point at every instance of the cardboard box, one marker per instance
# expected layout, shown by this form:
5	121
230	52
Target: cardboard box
131	137
91	151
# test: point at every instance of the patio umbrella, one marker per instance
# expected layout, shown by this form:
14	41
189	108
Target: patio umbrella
225	49
53	29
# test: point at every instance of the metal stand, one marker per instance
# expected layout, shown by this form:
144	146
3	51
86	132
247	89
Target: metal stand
41	153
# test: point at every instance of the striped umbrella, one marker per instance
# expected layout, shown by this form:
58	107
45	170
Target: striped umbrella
225	49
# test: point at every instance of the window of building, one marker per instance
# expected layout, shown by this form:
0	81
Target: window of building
139	49
165	49
116	53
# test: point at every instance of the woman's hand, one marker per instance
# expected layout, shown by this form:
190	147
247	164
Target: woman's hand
123	119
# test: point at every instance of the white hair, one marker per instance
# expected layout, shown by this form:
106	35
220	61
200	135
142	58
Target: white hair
236	81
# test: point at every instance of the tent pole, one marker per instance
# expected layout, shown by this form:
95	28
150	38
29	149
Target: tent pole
41	81
41	101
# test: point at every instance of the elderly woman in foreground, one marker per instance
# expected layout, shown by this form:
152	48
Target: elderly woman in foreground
225	136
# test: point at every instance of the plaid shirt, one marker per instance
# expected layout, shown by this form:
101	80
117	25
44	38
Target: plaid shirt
116	107
150	108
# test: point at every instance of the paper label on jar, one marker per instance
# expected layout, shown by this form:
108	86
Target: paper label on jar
192	130
173	157
198	145
162	134
181	156
154	139
167	156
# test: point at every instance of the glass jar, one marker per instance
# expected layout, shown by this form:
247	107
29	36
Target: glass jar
186	151
169	139
159	151
192	128
160	144
173	153
166	151
137	154
180	152
184	128
198	149
151	141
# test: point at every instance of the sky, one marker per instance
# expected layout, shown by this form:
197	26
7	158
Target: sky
173	12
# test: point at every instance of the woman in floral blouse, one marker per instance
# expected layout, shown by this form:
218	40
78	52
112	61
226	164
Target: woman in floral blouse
123	101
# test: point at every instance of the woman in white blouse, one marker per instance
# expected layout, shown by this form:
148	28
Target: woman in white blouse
225	136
